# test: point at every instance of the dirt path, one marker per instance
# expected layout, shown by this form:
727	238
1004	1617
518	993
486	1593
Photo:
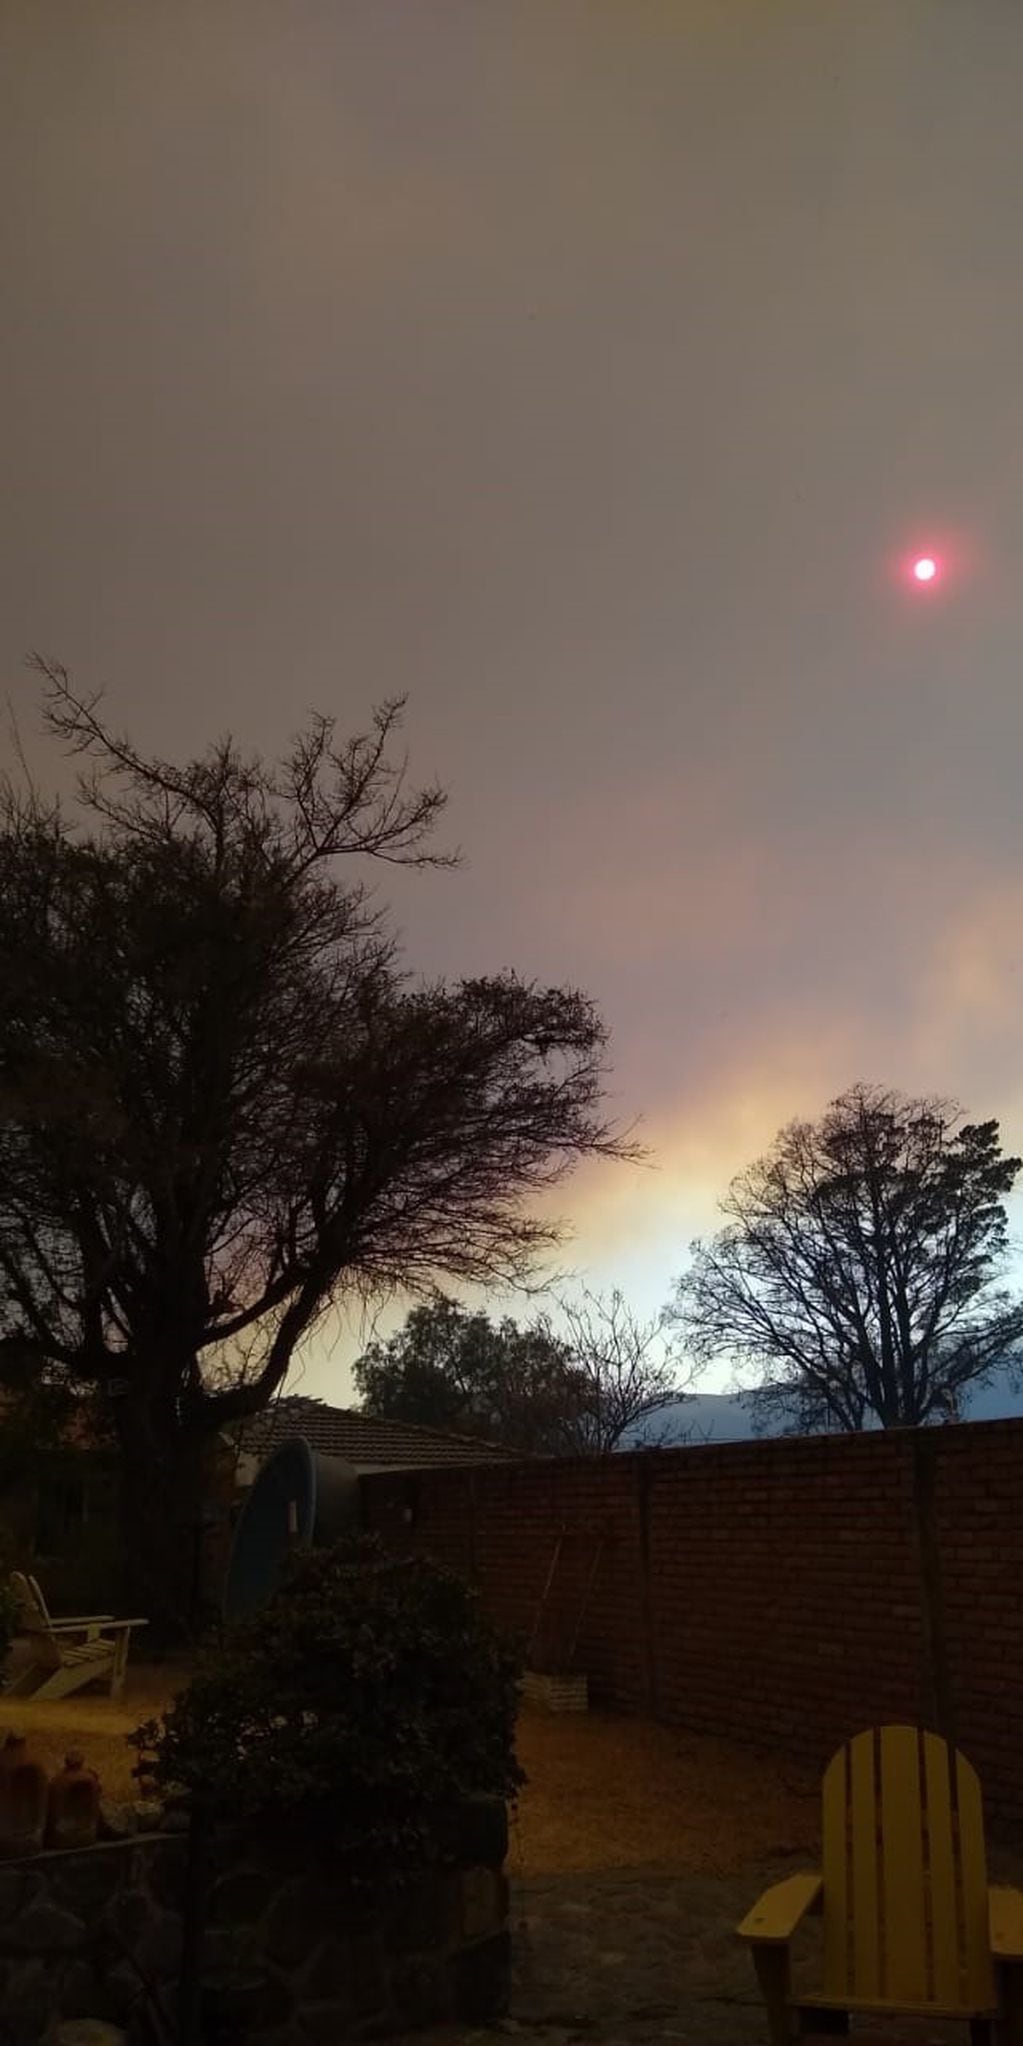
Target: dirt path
94	1722
606	1792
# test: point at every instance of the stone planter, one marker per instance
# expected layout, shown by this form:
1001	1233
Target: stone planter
556	1692
97	1933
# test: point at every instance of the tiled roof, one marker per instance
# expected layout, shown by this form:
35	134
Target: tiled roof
359	1438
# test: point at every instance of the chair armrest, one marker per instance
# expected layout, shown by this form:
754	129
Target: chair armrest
76	1625
101	1625
1005	1920
775	1916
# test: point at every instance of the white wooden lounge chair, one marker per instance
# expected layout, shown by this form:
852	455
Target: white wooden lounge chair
85	1623
60	1663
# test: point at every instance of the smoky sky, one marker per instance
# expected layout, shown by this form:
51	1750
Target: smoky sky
588	373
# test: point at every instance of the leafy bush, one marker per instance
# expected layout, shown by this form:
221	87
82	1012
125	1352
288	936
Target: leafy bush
355	1709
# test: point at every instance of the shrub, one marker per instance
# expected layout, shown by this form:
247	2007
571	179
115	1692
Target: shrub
356	1709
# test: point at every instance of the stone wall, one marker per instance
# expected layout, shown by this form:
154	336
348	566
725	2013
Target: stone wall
97	1932
83	1933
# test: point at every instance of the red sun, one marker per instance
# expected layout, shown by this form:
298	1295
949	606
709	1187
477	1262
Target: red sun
932	561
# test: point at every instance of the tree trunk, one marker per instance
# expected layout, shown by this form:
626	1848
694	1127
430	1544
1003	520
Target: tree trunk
161	1496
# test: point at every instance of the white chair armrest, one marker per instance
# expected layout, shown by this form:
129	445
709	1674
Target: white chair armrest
86	1620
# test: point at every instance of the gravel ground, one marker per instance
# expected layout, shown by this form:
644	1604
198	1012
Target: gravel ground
94	1722
610	1793
604	1793
635	1849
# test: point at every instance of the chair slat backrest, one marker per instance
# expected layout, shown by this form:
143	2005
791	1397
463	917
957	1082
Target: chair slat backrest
32	1614
943	1874
973	1862
902	1868
905	1878
36	1622
37	1593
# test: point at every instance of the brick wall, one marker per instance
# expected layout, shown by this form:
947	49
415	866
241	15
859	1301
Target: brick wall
785	1593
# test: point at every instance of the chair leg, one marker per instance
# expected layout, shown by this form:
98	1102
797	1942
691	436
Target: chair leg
772	1966
117	1671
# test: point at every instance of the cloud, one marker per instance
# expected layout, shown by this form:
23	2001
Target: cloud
585	371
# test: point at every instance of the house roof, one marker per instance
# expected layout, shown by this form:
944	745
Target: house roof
359	1438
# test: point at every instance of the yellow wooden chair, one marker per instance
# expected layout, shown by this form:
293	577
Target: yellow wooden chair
910	1924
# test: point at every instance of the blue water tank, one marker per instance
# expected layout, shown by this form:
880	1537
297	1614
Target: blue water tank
297	1496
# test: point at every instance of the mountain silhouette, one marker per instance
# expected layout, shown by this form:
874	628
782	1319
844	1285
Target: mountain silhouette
727	1417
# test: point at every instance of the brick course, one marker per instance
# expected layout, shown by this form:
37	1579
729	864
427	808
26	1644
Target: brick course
771	1592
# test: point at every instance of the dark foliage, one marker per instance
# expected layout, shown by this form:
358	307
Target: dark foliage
352	1712
526	1388
858	1269
223	1111
447	1368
